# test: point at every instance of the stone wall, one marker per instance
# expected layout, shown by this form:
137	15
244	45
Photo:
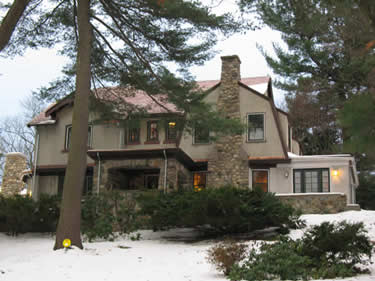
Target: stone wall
177	175
228	163
324	203
15	165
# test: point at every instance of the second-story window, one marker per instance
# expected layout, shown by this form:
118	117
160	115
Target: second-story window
68	136
133	135
201	135
152	131
255	127
171	131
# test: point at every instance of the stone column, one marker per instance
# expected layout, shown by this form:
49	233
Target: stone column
227	165
15	165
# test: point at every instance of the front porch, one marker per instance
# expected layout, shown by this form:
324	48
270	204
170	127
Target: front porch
156	169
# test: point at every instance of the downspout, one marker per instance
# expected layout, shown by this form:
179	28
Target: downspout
165	170
35	161
99	171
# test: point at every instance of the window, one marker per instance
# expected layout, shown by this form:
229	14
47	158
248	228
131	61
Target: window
311	180
133	135
199	181
260	179
255	125
68	133
152	131
171	131
201	135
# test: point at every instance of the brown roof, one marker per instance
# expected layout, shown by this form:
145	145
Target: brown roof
137	99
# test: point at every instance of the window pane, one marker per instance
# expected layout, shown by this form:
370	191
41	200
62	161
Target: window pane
260	179
199	181
255	127
171	131
201	135
134	135
314	180
152	130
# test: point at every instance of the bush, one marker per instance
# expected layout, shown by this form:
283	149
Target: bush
19	214
337	243
325	251
224	255
225	210
106	213
365	193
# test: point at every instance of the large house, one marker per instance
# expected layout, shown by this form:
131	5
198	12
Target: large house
156	155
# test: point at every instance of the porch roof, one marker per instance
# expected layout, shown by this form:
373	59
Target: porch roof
116	154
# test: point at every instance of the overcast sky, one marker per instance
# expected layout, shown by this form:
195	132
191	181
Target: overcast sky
22	75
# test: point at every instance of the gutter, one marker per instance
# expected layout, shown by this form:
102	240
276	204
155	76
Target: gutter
165	170
99	170
36	153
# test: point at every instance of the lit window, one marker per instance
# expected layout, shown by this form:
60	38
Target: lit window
201	134
171	131
311	180
199	181
133	135
255	125
68	134
152	131
260	179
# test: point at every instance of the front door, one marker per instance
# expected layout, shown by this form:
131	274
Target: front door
260	179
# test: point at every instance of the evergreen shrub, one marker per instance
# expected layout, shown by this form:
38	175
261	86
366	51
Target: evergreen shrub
106	214
224	210
21	214
325	251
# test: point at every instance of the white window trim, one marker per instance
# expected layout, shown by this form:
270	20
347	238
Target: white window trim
264	127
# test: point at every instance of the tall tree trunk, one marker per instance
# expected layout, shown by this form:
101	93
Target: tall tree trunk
9	22
69	226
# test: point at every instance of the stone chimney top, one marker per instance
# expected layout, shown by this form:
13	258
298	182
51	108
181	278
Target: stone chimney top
230	68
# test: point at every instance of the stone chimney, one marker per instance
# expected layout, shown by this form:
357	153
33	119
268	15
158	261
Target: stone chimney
229	97
15	165
227	165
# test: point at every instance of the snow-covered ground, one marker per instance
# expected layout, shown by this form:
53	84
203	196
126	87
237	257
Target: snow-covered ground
30	257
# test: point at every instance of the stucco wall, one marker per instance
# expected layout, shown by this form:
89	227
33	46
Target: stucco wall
52	140
340	183
271	147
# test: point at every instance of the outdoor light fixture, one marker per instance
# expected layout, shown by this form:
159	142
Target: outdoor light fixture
335	173
286	174
172	124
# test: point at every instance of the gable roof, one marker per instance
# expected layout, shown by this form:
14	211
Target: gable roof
138	99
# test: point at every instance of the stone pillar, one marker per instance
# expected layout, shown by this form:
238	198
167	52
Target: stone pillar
15	165
227	165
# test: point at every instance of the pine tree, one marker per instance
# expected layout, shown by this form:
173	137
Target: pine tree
147	34
329	59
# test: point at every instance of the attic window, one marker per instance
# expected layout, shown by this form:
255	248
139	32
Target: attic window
255	127
68	134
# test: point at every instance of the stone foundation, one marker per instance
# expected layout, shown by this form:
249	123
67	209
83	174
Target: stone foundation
15	165
324	203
